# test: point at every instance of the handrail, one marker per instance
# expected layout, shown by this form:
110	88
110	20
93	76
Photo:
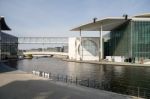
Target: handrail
93	83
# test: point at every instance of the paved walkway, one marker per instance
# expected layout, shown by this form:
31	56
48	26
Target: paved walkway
109	63
20	85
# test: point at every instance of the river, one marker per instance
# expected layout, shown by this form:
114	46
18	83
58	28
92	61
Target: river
114	76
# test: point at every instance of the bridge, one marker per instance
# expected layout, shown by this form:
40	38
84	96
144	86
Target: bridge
29	41
45	53
42	40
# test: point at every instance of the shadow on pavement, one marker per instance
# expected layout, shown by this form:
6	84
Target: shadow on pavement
43	89
39	89
11	63
5	68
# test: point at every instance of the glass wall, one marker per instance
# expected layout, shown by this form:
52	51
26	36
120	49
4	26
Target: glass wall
131	40
120	39
8	46
141	39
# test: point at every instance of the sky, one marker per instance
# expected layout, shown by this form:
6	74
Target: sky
55	18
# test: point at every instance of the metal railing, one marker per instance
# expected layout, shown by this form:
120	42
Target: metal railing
93	83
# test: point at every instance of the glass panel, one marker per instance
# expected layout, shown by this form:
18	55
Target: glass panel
141	33
120	41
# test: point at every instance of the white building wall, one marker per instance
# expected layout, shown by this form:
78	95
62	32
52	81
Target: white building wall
71	48
88	51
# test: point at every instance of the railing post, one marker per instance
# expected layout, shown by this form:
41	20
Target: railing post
49	75
66	78
76	80
88	82
94	84
58	77
70	79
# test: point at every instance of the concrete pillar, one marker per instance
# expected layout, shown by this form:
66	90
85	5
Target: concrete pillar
101	43
81	48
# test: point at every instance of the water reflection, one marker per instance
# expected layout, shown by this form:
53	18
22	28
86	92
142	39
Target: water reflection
113	75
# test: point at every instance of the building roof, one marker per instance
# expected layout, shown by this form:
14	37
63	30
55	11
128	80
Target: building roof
108	24
145	15
3	25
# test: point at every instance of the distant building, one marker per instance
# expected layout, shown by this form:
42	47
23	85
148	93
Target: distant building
129	37
65	49
8	43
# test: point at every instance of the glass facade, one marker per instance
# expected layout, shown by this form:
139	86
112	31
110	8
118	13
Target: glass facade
141	39
119	42
131	40
8	46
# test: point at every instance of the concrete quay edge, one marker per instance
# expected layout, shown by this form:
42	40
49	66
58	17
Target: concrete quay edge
109	63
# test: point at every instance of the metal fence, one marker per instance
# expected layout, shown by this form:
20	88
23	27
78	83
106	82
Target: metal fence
93	83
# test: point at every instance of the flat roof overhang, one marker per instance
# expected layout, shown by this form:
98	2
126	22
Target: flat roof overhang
3	25
107	24
144	15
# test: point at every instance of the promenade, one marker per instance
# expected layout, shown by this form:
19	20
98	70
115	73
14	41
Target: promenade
16	84
109	63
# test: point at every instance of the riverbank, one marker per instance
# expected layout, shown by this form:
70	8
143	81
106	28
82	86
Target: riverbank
21	85
109	63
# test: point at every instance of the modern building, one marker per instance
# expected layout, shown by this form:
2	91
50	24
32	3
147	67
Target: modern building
129	37
8	43
88	50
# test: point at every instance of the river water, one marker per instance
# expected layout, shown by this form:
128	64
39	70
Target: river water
114	76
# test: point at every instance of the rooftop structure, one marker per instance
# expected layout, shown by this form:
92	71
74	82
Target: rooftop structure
129	36
8	43
3	25
109	23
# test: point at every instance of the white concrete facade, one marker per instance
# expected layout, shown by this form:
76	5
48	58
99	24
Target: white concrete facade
87	49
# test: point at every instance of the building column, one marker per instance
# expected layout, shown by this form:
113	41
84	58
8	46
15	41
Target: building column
0	39
101	43
81	48
42	44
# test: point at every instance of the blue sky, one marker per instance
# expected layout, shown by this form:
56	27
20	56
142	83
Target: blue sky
57	17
